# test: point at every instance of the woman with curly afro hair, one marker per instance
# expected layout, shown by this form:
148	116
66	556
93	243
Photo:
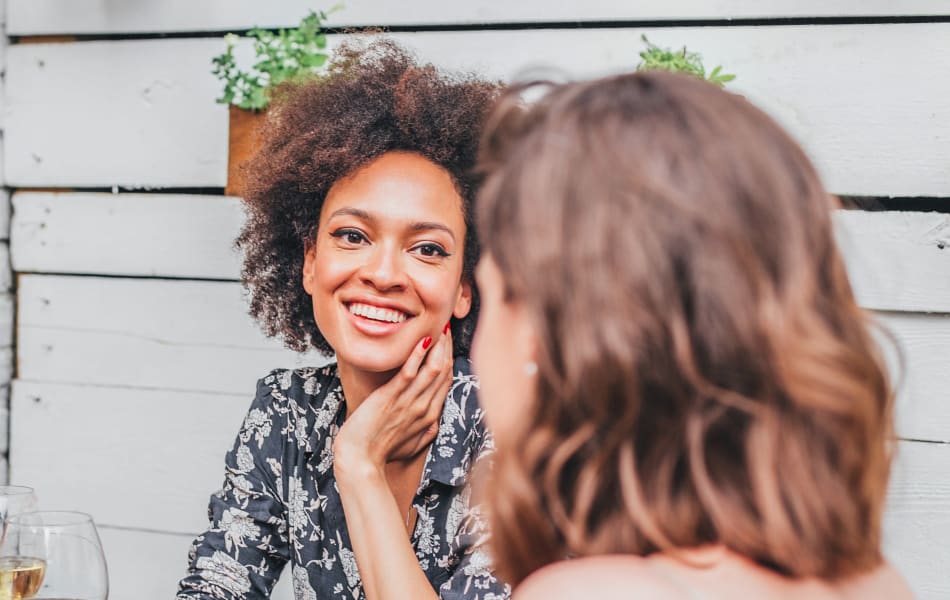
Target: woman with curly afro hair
360	242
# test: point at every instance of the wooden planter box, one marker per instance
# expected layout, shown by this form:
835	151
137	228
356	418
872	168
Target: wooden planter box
243	139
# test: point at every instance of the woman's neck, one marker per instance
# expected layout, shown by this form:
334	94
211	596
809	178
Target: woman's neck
359	384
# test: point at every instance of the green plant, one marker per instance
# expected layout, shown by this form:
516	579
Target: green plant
285	55
680	61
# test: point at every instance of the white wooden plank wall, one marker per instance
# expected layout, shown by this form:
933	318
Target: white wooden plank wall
135	358
33	17
6	279
845	91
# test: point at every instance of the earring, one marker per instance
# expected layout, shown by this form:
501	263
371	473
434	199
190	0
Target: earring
530	368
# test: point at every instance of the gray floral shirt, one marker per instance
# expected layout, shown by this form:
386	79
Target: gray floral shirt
280	501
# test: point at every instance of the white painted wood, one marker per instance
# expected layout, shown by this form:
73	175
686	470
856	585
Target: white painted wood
31	17
6	276
143	565
130	457
114	113
142	113
162	334
897	260
148	565
6	322
142	459
923	400
4	205
161	235
917	520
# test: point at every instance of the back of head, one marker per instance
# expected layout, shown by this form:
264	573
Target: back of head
705	375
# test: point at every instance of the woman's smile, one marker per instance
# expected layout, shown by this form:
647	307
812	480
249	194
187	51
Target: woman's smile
375	320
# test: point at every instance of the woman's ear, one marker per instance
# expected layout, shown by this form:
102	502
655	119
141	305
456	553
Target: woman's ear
308	264
464	302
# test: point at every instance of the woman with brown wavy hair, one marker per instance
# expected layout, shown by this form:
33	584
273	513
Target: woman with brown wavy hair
687	400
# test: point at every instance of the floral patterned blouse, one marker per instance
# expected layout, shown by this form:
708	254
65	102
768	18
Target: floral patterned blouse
280	503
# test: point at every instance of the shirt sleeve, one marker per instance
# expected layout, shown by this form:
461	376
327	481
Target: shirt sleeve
473	578
245	547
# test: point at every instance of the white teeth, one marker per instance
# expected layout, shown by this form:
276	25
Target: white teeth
376	313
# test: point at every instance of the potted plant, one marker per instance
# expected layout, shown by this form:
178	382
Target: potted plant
679	61
284	55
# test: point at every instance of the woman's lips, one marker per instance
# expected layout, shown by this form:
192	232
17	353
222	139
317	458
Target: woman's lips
374	320
377	313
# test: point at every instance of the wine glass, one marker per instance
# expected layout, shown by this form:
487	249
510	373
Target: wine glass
16	499
54	555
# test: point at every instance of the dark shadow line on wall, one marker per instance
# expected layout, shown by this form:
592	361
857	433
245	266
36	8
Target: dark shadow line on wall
898	204
456	27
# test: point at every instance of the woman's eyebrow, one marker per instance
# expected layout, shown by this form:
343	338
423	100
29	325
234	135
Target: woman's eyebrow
431	225
352	212
349	211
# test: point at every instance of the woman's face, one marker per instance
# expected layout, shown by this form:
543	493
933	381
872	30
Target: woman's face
503	355
386	268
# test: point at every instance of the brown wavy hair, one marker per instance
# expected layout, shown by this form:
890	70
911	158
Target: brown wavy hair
705	375
375	98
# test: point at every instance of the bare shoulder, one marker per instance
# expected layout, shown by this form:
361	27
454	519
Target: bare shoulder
883	582
608	577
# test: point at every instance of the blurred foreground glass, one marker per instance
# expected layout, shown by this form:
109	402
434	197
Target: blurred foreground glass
15	499
52	555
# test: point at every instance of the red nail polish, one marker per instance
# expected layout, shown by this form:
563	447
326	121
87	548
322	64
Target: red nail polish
446	328
426	343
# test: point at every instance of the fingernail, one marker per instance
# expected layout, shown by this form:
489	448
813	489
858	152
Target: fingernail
446	328
426	343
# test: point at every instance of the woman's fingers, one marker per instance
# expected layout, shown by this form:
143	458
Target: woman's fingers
429	371
410	369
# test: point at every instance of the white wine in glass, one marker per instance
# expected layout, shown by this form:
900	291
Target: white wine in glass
53	555
20	577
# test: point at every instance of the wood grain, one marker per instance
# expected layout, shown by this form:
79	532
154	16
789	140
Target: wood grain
149	104
154	235
173	335
897	261
917	519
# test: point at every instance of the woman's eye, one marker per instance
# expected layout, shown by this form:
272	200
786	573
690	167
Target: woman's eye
431	250
350	236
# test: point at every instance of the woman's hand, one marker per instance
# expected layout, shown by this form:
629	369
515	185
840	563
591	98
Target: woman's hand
400	419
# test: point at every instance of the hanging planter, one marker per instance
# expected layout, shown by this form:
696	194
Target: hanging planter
284	55
243	133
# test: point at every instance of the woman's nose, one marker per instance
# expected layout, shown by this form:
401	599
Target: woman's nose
384	270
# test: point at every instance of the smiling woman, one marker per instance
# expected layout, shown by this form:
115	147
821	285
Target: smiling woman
359	242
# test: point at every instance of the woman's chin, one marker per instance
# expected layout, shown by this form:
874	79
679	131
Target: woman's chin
373	362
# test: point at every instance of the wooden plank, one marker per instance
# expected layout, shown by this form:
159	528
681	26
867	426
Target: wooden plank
143	565
897	261
4	206
923	400
182	335
32	17
165	448
147	565
873	126
114	113
917	520
160	235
